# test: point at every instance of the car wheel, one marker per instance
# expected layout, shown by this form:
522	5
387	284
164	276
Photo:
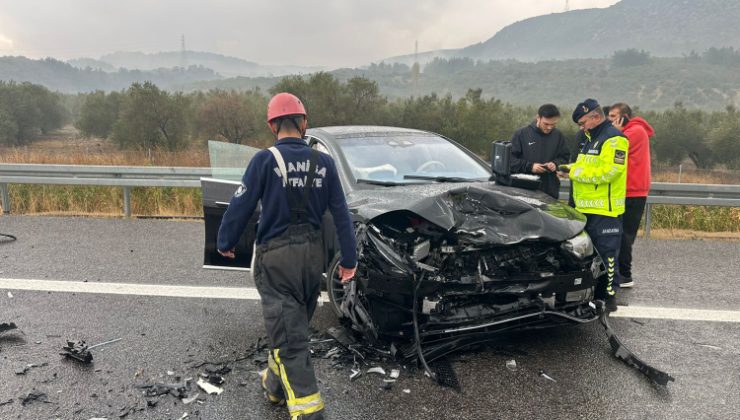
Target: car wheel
335	288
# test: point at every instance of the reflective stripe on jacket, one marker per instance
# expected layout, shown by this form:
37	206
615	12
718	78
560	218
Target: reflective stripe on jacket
599	175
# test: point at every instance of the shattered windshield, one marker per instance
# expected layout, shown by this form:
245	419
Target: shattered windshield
409	159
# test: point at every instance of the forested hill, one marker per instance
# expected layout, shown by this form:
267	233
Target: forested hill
705	81
661	27
665	28
60	76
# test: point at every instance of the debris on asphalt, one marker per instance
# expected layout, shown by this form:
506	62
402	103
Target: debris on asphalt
377	369
209	388
189	400
511	365
2	403
77	350
184	416
406	391
445	374
356	373
10	295
636	321
395	373
7	327
34	396
624	354
218	370
24	369
104	343
709	346
544	374
177	390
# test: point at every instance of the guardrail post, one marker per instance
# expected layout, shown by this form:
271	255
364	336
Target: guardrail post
648	218
5	197
127	202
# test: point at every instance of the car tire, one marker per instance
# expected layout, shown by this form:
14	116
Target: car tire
334	287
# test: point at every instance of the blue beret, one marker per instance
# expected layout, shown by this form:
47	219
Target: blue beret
584	108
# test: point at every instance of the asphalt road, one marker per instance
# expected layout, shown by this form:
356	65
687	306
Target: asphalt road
161	335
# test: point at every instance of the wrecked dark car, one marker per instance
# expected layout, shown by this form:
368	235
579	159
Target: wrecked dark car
447	257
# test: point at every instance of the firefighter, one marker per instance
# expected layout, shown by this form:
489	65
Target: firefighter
599	179
295	185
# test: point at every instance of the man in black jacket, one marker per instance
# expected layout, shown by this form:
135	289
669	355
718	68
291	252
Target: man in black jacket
539	148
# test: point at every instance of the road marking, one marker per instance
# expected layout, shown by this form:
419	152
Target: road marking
250	293
240	293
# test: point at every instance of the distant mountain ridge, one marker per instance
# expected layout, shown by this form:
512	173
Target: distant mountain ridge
225	66
665	28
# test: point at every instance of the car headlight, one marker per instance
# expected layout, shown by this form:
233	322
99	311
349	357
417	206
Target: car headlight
579	246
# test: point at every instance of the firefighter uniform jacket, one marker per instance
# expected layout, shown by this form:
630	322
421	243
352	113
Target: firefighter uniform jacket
263	182
599	175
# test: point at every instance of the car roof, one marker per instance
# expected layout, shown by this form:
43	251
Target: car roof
344	131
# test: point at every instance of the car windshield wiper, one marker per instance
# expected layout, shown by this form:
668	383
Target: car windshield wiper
379	182
440	178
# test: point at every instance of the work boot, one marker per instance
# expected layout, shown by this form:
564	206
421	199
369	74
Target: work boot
272	398
611	303
626	282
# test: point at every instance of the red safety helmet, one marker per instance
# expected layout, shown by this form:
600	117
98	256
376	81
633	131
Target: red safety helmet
284	104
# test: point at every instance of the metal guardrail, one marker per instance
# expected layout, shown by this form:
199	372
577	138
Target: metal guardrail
725	195
126	177
141	176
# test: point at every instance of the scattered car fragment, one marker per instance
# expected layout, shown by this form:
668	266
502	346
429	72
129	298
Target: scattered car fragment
35	396
624	354
209	388
77	350
544	374
4	327
379	370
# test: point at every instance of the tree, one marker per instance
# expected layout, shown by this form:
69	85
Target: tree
31	108
8	128
231	116
724	140
631	57
98	114
151	118
681	133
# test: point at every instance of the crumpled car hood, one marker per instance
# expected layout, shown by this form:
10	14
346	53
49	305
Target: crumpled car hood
480	213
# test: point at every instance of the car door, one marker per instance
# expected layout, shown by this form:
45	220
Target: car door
228	163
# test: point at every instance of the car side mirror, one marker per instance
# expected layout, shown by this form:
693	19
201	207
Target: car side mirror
501	165
500	160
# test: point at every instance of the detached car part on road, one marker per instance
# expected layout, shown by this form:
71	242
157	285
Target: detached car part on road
447	258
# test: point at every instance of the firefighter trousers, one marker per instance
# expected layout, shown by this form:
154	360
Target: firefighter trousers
606	234
287	273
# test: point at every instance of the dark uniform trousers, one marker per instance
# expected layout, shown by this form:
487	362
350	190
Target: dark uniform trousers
287	272
606	234
633	210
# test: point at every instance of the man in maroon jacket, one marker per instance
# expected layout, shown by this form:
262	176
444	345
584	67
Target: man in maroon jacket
638	133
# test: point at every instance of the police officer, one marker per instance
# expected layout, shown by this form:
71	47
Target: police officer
296	185
599	179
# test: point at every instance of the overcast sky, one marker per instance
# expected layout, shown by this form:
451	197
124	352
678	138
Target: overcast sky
302	32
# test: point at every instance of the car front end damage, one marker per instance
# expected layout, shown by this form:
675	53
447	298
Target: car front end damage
493	261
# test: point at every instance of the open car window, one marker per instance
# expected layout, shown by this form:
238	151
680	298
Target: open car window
228	160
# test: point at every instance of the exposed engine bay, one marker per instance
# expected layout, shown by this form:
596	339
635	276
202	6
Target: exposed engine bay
429	290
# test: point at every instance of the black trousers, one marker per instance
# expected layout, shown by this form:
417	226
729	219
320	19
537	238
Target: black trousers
634	207
606	234
288	272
